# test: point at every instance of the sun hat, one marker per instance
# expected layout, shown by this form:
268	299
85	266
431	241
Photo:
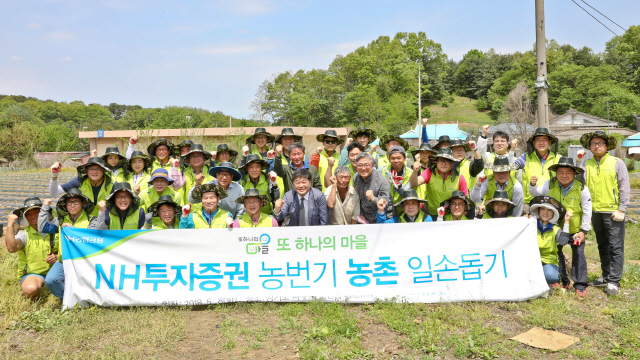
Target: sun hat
164	199
226	166
459	142
160	173
386	138
442	139
331	134
139	155
566	162
550	203
75	193
113	150
261	131
585	139
501	164
225	147
199	190
363	131
410	195
151	149
423	147
252	192
288	132
443	153
251	158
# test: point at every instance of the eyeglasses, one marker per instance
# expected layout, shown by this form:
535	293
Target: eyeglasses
74	202
598	144
329	142
364	166
453	205
224	174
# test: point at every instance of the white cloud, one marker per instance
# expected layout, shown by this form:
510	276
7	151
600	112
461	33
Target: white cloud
34	25
61	35
245	7
66	58
16	58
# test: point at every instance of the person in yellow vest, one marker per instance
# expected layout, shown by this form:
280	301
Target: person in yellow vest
343	201
457	207
442	179
179	152
501	146
363	136
537	160
498	207
73	209
163	214
37	251
196	170
206	213
116	162
397	173
411	212
138	171
353	150
470	169
421	155
254	201
501	178
549	211
574	196
225	154
386	142
94	180
444	141
160	152
158	186
256	178
608	182
121	210
330	142
260	139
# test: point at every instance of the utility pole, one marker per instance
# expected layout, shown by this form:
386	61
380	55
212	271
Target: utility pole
541	64
419	96
230	125
608	121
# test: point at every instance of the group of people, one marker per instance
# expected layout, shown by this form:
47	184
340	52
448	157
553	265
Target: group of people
275	183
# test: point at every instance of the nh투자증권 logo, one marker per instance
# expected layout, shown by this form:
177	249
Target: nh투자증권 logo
261	247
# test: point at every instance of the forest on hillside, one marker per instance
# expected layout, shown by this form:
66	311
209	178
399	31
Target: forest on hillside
375	85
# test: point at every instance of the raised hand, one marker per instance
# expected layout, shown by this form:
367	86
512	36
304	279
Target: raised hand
186	210
333	180
213	155
245	150
272	176
481	209
370	196
48	202
568	216
102	205
425	121
148	218
133	140
278	206
417	165
373	148
271	154
318	150
382	204
56	167
472	145
441	211
199	179
485	130
348	142
481	178
533	180
175	163
11	219
514	144
279	150
229	221
581	154
331	161
136	189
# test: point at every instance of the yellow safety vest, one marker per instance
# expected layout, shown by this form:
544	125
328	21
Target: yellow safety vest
32	259
573	202
463	169
533	167
420	218
449	217
548	246
156	165
263	188
218	221
87	190
602	182
130	222
324	164
190	180
488	172
395	196
439	190
264	221
492	186
150	196
157	223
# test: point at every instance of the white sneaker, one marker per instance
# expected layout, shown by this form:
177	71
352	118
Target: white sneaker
612	289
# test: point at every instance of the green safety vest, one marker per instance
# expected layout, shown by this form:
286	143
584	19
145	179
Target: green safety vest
602	182
143	180
422	189
82	222
157	223
324	164
492	186
279	180
263	188
190	180
420	218
449	217
264	221
395	196
533	167
87	190
156	165
573	202
488	172
548	246
150	195
130	222
439	190
353	173
463	168
32	259
218	221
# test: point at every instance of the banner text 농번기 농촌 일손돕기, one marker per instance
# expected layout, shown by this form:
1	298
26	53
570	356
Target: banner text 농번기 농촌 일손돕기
435	262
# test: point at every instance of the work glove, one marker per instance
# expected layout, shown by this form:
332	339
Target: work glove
618	216
186	210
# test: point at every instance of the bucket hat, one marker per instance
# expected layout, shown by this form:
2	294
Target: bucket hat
500	195
363	131
225	147
151	149
386	138
251	158
410	195
424	147
226	166
443	153
457	195
184	143
197	192
139	155
122	186
442	139
585	139
542	131
164	199
459	142
331	134
75	193
550	203
160	173
93	161
252	192
566	162
261	131
288	132
113	150
501	164
32	202
197	148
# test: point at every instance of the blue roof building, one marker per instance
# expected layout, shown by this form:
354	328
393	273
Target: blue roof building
434	132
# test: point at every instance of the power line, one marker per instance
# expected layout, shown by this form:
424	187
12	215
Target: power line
585	10
623	29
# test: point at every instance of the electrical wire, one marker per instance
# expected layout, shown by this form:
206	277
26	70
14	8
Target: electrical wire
623	29
585	10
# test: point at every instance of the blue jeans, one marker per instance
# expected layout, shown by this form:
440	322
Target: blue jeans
25	276
55	280
550	273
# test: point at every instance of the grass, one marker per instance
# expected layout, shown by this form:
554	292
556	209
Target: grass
608	327
461	110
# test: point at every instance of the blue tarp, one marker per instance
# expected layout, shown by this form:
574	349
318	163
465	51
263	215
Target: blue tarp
435	131
632	141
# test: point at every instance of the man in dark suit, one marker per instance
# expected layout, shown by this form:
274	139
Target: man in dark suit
304	205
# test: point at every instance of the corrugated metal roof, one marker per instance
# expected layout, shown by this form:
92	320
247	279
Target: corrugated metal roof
435	131
632	141
511	128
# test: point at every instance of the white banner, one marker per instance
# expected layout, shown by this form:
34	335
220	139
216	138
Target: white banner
487	260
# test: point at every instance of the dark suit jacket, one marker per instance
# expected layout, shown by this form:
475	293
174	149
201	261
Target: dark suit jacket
316	208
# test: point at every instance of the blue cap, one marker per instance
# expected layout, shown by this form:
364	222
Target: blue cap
161	174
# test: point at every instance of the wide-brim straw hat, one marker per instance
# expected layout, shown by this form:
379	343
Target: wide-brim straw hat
444	153
75	193
255	158
226	166
197	192
410	195
550	203
164	199
151	149
261	131
501	164
288	132
543	131
566	162
363	131
585	139
386	138
252	192
331	134
459	142
424	147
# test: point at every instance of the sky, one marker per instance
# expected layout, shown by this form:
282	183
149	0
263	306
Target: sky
214	54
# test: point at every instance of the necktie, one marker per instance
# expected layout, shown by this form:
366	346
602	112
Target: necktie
301	215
